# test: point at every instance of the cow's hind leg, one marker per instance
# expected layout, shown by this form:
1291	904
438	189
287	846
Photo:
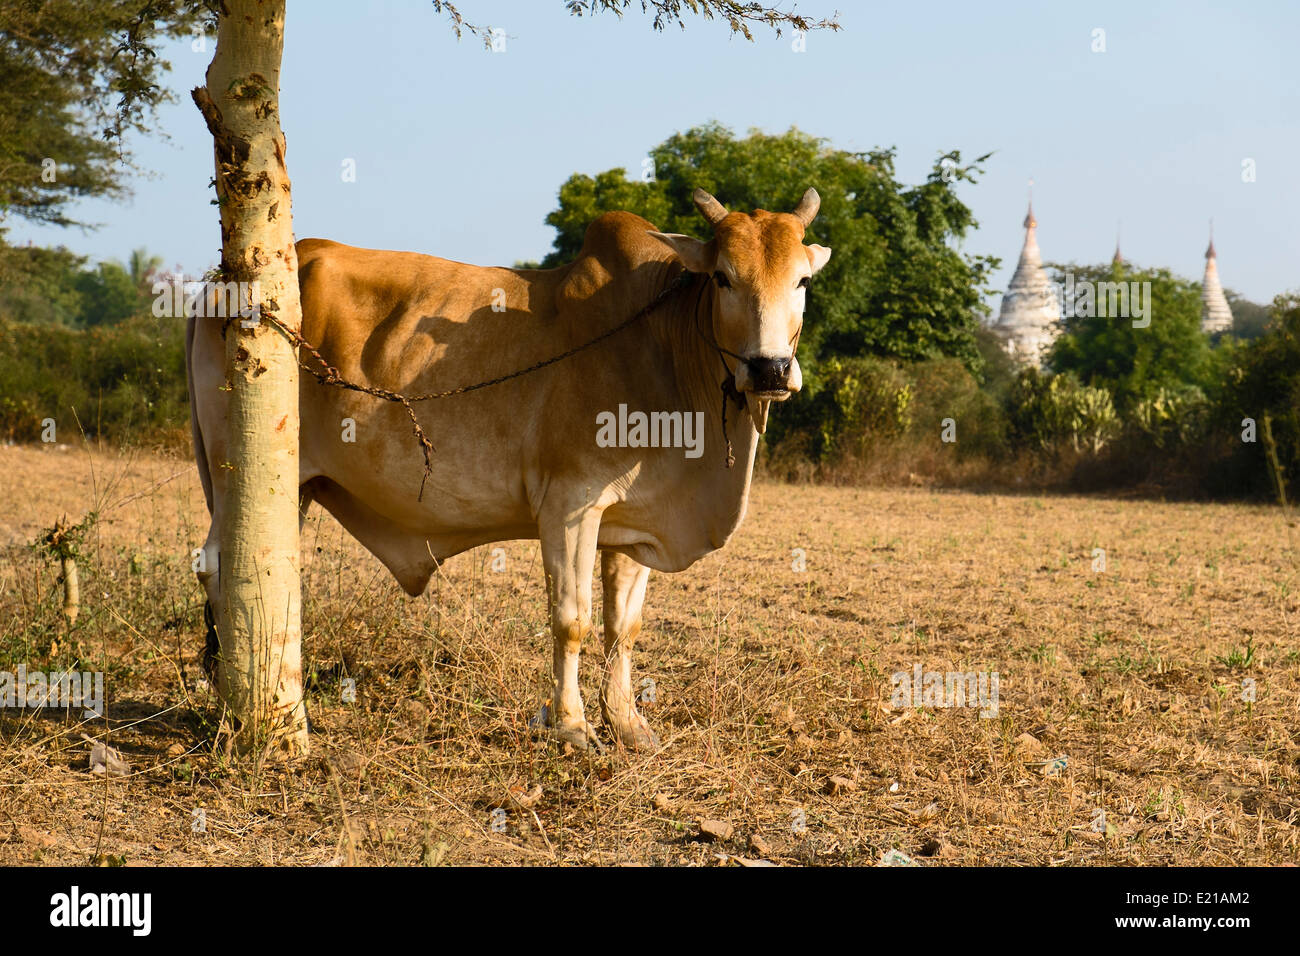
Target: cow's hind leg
568	539
207	565
624	581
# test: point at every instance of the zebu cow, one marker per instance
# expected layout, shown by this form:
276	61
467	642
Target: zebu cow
521	459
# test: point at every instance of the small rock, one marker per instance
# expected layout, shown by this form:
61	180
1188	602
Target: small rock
662	802
758	845
105	761
716	831
837	785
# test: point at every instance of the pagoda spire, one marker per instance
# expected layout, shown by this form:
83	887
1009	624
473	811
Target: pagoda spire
1030	307
1216	314
1030	257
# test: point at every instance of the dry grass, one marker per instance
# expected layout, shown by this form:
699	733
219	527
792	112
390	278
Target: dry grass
769	682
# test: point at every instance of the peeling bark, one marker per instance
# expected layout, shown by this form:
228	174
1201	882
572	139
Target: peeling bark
71	590
258	615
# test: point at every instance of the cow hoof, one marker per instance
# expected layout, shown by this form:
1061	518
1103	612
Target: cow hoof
635	734
574	731
580	735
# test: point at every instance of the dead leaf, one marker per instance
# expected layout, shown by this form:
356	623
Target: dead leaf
1028	744
524	799
927	813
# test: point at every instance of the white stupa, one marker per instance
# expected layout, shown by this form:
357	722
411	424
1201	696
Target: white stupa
1216	315
1030	307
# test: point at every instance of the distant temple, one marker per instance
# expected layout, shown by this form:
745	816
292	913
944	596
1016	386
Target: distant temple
1031	307
1216	315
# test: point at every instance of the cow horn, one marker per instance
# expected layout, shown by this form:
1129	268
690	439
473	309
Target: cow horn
806	211
709	208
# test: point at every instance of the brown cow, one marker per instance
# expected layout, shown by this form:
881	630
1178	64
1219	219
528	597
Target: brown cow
560	454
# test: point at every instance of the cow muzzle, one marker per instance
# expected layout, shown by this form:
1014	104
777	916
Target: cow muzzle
765	380
768	377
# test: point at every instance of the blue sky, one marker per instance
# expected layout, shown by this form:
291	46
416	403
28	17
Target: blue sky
460	152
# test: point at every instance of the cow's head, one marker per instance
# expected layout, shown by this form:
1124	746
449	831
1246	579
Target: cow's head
760	270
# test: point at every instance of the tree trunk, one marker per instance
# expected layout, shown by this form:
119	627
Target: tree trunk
258	622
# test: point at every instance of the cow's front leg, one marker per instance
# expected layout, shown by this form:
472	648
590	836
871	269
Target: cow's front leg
569	556
624	581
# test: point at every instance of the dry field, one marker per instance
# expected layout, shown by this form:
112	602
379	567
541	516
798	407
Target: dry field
772	691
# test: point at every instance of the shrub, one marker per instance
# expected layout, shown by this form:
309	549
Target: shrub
124	382
1055	412
1171	417
1265	380
857	401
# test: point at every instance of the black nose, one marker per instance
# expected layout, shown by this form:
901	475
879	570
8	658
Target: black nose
769	374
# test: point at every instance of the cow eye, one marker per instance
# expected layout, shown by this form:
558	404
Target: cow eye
805	282
721	279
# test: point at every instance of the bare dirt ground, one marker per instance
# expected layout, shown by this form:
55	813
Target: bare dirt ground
772	691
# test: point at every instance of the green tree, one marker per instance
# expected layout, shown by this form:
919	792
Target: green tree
895	287
108	294
54	287
40	286
142	267
75	75
1265	380
1249	319
1134	363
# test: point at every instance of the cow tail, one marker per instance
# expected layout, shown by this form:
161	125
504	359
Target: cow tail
200	453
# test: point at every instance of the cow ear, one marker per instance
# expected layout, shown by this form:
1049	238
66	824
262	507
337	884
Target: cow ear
818	256
695	255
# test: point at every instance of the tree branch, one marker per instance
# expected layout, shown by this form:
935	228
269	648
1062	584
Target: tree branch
739	15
